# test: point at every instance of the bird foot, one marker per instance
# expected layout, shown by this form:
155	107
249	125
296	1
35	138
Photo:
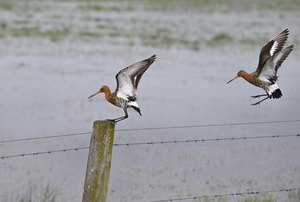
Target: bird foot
257	103
117	119
112	120
261	101
257	96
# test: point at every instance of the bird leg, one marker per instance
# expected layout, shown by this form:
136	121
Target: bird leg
261	100
120	118
257	96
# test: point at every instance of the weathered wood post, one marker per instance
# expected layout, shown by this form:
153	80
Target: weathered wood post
98	166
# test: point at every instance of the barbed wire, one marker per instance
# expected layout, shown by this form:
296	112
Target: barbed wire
229	194
153	128
152	143
44	152
205	140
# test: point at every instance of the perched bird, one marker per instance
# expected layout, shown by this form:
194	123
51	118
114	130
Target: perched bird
127	83
270	59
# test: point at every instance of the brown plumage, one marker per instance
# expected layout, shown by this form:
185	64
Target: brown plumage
127	82
270	59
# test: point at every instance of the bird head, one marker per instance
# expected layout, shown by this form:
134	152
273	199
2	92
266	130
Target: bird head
239	74
101	90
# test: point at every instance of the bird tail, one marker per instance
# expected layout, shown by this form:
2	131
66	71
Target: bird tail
137	109
274	91
276	94
135	106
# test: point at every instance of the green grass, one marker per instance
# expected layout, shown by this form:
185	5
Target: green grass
166	33
100	7
294	196
253	42
6	5
58	35
48	194
35	32
25	32
223	5
229	199
166	38
3	25
90	34
255	199
220	39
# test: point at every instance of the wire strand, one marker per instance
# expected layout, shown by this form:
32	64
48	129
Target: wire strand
211	125
43	137
152	143
44	152
229	194
205	140
153	128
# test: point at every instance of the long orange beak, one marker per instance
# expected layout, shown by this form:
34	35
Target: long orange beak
233	79
94	94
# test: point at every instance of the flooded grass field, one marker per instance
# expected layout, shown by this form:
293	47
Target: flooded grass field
54	54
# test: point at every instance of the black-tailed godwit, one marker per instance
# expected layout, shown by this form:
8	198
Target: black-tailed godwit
270	59
127	83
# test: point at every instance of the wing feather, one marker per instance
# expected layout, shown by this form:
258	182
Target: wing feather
269	70
129	77
274	46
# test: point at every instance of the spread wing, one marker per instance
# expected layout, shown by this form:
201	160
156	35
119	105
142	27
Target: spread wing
129	77
269	70
274	46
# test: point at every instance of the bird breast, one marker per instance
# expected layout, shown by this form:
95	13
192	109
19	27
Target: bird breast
120	102
251	78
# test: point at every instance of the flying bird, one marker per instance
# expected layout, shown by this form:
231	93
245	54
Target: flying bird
127	82
270	59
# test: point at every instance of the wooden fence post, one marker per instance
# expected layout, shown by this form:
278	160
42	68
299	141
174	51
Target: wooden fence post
98	166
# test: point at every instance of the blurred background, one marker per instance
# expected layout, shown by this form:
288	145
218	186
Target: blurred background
54	54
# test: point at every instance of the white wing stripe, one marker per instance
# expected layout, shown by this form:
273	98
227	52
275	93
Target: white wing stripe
125	86
135	104
274	48
125	91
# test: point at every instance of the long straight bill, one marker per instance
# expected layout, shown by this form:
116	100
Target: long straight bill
94	94
233	79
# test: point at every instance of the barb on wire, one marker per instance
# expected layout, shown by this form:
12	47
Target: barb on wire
154	143
154	128
205	140
44	152
229	194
